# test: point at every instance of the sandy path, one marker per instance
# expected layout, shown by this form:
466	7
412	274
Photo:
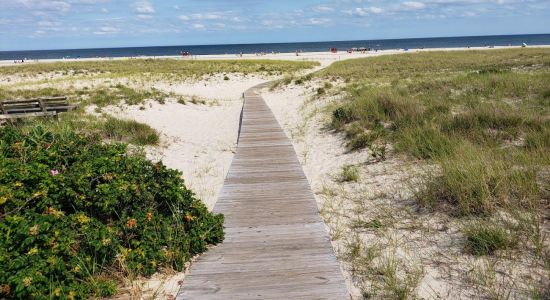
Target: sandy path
198	140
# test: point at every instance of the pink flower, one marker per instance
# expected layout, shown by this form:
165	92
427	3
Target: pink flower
54	172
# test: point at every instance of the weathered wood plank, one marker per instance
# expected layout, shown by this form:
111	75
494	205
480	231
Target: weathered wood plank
276	245
19	116
40	107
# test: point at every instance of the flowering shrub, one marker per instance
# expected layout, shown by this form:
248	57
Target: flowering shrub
73	210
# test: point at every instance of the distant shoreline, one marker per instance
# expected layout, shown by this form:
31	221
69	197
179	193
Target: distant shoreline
343	54
223	49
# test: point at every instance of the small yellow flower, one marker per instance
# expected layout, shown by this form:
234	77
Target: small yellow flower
34	230
27	281
57	292
83	219
3	200
33	251
52	260
71	295
54	212
77	269
106	242
18	184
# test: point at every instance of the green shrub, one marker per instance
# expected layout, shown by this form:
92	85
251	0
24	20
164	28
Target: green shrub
73	210
484	238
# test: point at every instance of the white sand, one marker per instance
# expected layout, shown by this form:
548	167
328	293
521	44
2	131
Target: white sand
198	139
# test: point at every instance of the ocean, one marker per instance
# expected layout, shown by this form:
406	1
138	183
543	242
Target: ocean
416	43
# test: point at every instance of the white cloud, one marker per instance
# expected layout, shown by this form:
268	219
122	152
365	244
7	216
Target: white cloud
144	7
323	8
144	17
57	6
365	11
207	16
104	30
198	26
48	23
413	5
318	21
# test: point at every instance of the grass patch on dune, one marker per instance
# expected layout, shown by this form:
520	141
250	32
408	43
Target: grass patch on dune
389	68
480	118
163	67
99	96
484	238
483	116
131	131
349	173
108	128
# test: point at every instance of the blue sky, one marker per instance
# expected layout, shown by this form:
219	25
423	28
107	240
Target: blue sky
61	24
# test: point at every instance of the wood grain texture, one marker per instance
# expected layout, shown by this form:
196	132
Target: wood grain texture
276	244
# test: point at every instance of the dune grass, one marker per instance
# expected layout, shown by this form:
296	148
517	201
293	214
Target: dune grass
349	173
99	96
106	127
131	131
484	238
167	67
482	117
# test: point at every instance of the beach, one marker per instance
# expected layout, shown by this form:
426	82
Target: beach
324	58
198	123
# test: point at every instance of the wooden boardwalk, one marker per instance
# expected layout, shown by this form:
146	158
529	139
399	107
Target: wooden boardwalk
276	244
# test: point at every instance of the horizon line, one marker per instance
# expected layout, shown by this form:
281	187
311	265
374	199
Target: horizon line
267	43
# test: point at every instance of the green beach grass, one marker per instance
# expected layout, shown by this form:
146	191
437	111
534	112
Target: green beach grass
482	120
167	67
483	116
